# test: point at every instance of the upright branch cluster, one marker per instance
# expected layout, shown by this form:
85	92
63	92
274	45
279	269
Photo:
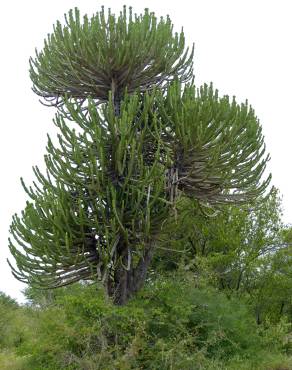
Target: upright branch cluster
127	53
143	137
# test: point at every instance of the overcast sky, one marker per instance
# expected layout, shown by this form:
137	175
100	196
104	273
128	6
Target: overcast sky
242	46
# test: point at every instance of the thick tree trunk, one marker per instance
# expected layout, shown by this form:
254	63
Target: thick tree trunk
126	279
126	282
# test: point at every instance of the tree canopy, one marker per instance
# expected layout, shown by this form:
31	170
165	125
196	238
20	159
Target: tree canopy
143	137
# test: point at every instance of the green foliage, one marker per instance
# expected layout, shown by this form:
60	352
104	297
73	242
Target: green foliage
6	300
16	327
106	53
245	251
109	187
10	361
218	146
150	165
143	138
270	288
169	325
73	225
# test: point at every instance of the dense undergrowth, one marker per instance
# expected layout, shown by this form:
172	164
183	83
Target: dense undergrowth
172	324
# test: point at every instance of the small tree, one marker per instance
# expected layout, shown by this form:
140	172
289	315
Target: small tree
142	136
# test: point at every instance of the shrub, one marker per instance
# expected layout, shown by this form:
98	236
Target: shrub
171	324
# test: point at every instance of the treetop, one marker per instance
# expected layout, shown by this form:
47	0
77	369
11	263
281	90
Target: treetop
91	56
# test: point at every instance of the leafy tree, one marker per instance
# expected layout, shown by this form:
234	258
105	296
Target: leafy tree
270	285
243	250
141	137
7	301
239	239
169	325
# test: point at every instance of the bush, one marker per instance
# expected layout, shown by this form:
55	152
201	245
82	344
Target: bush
10	361
169	325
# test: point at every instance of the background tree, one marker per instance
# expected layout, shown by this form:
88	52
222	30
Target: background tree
142	137
241	250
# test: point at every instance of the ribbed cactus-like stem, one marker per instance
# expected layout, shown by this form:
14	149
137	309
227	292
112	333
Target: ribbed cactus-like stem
142	137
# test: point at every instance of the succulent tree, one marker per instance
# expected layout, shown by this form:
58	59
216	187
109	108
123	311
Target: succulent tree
135	136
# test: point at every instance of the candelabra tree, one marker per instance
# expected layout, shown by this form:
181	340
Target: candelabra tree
135	136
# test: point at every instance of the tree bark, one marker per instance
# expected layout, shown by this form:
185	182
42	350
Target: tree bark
126	282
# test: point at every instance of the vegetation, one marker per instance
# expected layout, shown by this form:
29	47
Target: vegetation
191	314
135	137
152	197
174	323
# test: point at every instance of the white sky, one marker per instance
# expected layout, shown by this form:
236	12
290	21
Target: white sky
243	46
